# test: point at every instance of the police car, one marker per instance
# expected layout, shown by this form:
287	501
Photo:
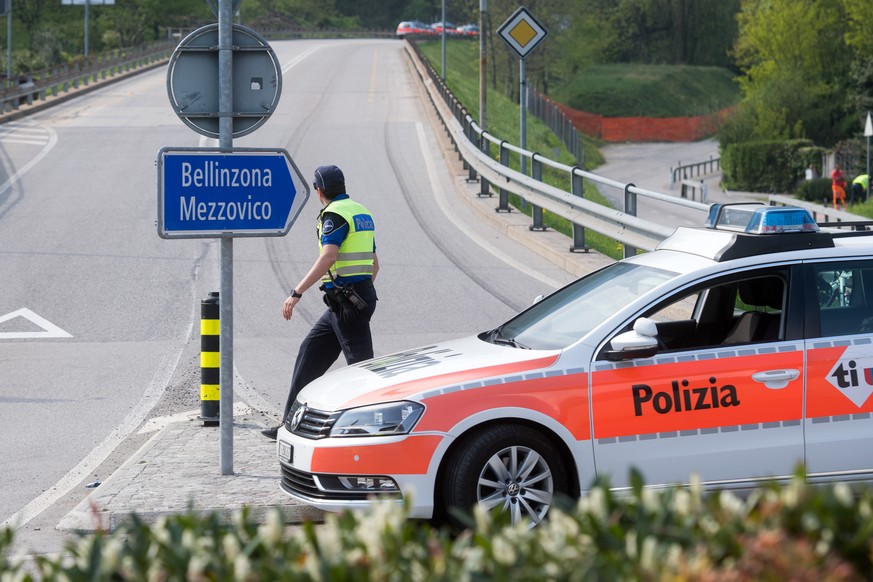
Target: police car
734	352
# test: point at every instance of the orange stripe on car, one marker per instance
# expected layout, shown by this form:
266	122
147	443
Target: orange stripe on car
410	456
666	397
564	398
413	387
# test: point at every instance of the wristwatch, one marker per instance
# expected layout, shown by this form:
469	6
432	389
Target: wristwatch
294	293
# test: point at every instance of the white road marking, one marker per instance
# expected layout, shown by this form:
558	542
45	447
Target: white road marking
50	330
298	59
52	141
159	422
101	452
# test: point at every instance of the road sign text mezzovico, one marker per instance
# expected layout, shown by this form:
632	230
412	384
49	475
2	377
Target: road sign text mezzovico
212	175
214	193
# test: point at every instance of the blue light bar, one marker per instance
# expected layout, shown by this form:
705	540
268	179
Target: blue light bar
777	220
755	218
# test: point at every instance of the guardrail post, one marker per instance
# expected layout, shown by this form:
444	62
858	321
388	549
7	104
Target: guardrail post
503	198
484	185
577	188
471	135
210	359
630	207
536	212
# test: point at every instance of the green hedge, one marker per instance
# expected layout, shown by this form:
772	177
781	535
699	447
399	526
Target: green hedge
793	533
817	190
767	166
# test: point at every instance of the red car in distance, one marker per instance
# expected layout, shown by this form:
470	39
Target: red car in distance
413	28
450	28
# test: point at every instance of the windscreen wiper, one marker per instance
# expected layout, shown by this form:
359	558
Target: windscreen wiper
508	341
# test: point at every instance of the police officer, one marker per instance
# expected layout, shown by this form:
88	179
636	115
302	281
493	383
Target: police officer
859	188
346	267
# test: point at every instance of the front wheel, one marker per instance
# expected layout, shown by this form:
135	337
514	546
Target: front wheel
512	469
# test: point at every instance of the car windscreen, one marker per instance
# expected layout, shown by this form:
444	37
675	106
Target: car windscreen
566	316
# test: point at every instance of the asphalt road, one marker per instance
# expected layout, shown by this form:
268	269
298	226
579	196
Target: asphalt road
99	331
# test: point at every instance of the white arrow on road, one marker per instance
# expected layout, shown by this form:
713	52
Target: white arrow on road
49	330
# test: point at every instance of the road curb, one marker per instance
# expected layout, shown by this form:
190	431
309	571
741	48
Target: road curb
177	472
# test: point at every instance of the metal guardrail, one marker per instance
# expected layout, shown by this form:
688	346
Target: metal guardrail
683	172
39	85
695	189
622	225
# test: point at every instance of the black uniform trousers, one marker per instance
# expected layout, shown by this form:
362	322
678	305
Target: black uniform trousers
328	337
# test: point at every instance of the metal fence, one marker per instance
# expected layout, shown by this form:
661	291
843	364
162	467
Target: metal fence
492	161
556	120
55	81
684	172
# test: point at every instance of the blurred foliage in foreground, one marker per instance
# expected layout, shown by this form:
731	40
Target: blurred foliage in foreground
796	532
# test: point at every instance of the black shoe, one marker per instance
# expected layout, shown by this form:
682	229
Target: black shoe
271	432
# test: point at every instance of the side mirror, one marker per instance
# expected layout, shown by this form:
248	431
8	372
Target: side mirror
641	342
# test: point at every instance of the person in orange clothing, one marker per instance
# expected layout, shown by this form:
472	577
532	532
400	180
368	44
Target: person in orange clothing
838	187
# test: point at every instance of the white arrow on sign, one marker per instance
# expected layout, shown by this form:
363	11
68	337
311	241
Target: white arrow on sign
49	330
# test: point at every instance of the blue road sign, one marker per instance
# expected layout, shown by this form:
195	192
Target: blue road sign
210	192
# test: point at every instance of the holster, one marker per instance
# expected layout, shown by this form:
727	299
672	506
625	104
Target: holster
344	301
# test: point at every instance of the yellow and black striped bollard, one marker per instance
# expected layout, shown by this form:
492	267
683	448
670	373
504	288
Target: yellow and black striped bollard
210	359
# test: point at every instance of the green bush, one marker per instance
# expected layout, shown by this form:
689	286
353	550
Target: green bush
767	166
793	533
817	190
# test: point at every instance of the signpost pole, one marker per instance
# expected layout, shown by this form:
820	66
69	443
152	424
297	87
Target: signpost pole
522	32
225	129
522	104
868	132
8	43
443	40
483	88
87	5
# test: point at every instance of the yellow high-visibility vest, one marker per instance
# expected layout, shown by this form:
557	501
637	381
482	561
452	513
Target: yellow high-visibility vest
356	254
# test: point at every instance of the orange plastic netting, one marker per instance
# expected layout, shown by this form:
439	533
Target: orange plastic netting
644	129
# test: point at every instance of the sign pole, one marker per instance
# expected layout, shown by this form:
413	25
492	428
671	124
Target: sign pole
443	40
87	5
225	129
522	104
8	43
197	197
483	88
868	133
523	33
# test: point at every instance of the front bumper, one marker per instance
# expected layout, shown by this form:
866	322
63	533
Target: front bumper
339	474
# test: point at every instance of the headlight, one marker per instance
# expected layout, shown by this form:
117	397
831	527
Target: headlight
377	420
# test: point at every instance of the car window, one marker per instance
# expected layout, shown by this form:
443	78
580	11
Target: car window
563	318
844	297
741	309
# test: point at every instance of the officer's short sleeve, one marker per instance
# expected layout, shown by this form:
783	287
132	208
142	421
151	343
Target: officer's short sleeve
334	229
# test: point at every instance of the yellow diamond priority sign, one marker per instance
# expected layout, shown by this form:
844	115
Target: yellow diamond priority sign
522	32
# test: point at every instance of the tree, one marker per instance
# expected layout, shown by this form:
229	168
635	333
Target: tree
693	32
795	67
29	13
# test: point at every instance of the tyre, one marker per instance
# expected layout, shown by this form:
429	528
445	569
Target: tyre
506	468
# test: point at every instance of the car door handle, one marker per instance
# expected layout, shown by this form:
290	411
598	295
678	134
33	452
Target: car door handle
776	379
